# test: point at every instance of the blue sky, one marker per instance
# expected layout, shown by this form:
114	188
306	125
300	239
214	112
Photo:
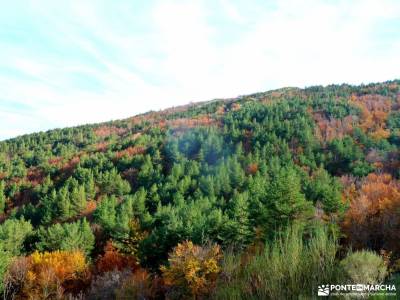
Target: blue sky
64	63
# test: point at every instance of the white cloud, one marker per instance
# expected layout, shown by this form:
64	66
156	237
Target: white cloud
177	51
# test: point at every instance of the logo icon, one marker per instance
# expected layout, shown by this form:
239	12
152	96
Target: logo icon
359	287
323	290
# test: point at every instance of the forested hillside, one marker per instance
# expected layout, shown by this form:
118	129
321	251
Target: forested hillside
263	196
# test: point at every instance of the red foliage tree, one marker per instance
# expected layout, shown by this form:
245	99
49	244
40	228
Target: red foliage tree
252	168
112	259
373	219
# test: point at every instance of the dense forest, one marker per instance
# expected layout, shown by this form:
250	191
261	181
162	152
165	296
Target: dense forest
264	196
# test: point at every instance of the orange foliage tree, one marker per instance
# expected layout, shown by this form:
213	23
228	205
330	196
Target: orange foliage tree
373	219
192	270
49	274
130	151
104	131
374	112
252	168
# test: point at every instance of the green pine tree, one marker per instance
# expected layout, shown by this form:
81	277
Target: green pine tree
2	197
63	203
285	201
106	213
238	230
90	187
78	199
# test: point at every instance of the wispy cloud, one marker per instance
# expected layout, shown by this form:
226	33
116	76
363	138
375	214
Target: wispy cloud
76	62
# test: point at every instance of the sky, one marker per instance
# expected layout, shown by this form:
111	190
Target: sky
65	63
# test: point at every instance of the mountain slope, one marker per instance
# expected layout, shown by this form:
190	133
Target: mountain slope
234	172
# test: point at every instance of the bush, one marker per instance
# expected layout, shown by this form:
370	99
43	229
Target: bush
112	259
288	268
139	285
192	270
364	267
5	260
50	273
15	276
105	286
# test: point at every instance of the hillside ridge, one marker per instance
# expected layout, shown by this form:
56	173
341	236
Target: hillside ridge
205	102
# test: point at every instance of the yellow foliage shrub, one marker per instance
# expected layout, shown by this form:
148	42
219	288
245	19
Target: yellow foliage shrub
192	270
48	271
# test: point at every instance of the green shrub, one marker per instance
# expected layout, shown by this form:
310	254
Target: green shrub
363	267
